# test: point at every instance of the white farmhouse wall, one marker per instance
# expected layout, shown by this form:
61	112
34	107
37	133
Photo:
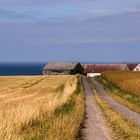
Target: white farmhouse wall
137	68
93	74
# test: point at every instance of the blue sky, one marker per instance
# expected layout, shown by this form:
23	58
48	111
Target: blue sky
76	30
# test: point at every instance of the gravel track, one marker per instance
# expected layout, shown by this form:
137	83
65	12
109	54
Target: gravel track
95	127
131	115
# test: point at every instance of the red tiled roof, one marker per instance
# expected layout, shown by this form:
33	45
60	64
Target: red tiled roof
98	68
131	67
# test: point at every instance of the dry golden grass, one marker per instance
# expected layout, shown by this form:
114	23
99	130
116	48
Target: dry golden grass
126	81
123	87
28	106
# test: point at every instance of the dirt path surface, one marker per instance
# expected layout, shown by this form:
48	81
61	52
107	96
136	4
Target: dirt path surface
94	127
131	115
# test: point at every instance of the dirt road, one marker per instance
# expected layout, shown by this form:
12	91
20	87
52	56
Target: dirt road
133	116
95	127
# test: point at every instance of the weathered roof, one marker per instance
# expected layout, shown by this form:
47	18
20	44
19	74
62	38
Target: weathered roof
60	65
131	67
98	68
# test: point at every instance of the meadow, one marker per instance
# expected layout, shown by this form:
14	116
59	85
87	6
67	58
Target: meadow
126	81
41	107
123	87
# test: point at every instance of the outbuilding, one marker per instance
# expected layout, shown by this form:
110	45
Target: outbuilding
63	68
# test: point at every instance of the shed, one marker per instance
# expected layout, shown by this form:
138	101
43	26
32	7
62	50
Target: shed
63	68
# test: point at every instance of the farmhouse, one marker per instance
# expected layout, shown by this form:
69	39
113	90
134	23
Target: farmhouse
63	68
92	70
134	67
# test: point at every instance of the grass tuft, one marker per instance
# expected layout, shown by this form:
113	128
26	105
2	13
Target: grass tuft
65	108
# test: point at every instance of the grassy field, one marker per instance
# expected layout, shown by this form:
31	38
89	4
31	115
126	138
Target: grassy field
124	87
126	81
41	107
120	127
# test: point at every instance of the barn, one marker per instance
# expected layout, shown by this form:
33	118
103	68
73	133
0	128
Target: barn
63	68
92	70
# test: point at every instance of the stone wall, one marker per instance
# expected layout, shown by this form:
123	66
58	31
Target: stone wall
55	72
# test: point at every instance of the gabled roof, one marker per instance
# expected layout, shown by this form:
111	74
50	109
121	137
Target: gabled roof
131	67
60	65
98	68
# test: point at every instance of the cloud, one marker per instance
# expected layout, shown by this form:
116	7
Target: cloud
131	10
12	16
109	29
113	37
42	2
95	12
36	11
103	11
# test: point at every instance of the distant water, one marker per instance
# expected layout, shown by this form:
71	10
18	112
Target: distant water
20	69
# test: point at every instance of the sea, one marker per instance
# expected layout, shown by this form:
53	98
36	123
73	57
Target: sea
16	69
